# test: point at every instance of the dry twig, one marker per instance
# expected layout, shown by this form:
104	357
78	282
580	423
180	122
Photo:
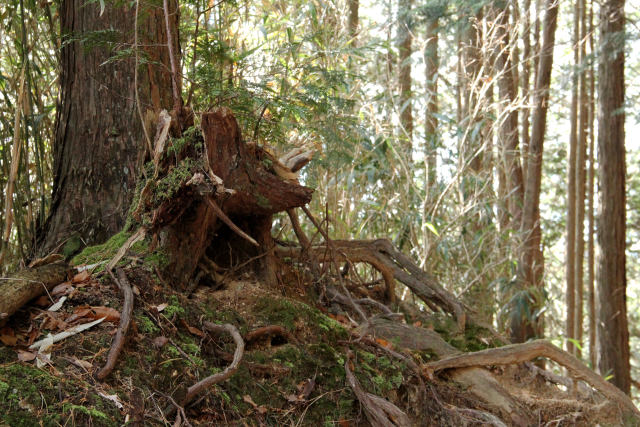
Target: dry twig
123	327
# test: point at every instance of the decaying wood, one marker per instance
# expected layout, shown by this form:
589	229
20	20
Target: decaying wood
200	386
23	286
379	412
238	188
520	353
123	326
393	265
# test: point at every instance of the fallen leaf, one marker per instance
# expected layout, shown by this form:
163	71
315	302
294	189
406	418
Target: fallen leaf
43	301
83	276
417	324
8	337
57	306
344	423
384	343
78	313
62	289
82	363
160	341
26	356
193	330
161	307
260	409
110	314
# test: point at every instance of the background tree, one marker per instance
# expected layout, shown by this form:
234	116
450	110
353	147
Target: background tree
613	333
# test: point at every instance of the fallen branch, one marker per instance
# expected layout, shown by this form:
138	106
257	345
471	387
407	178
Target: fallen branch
23	286
198	387
379	412
520	353
123	326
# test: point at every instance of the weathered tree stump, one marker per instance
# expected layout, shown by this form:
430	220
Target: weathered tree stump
225	209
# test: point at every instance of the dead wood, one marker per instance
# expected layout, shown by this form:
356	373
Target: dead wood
225	184
200	386
393	265
21	287
520	353
123	326
379	412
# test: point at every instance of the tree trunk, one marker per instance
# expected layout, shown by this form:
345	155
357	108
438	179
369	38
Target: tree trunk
99	145
591	187
404	75
613	333
431	61
581	161
532	265
570	255
509	126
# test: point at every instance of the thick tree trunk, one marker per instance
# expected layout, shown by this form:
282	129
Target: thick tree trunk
99	145
613	333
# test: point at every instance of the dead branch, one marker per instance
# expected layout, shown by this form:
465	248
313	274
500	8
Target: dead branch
230	223
123	327
520	353
220	376
379	412
23	286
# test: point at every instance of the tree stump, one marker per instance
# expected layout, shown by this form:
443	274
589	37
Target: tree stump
224	210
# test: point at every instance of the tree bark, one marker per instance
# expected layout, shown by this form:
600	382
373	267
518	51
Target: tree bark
99	143
613	333
570	256
532	265
581	160
404	74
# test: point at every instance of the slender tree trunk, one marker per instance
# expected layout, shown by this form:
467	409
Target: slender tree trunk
431	62
354	20
613	333
509	127
99	144
570	254
591	187
526	80
404	67
532	265
581	161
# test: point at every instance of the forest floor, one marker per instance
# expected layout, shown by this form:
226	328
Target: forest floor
293	371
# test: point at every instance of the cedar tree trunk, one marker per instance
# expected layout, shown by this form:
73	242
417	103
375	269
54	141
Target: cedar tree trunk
99	144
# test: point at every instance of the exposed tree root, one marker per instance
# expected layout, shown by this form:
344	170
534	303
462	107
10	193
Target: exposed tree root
393	265
123	326
200	386
380	412
520	353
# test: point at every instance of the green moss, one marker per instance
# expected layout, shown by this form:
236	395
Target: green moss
32	397
103	252
146	325
174	308
262	201
168	186
90	412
